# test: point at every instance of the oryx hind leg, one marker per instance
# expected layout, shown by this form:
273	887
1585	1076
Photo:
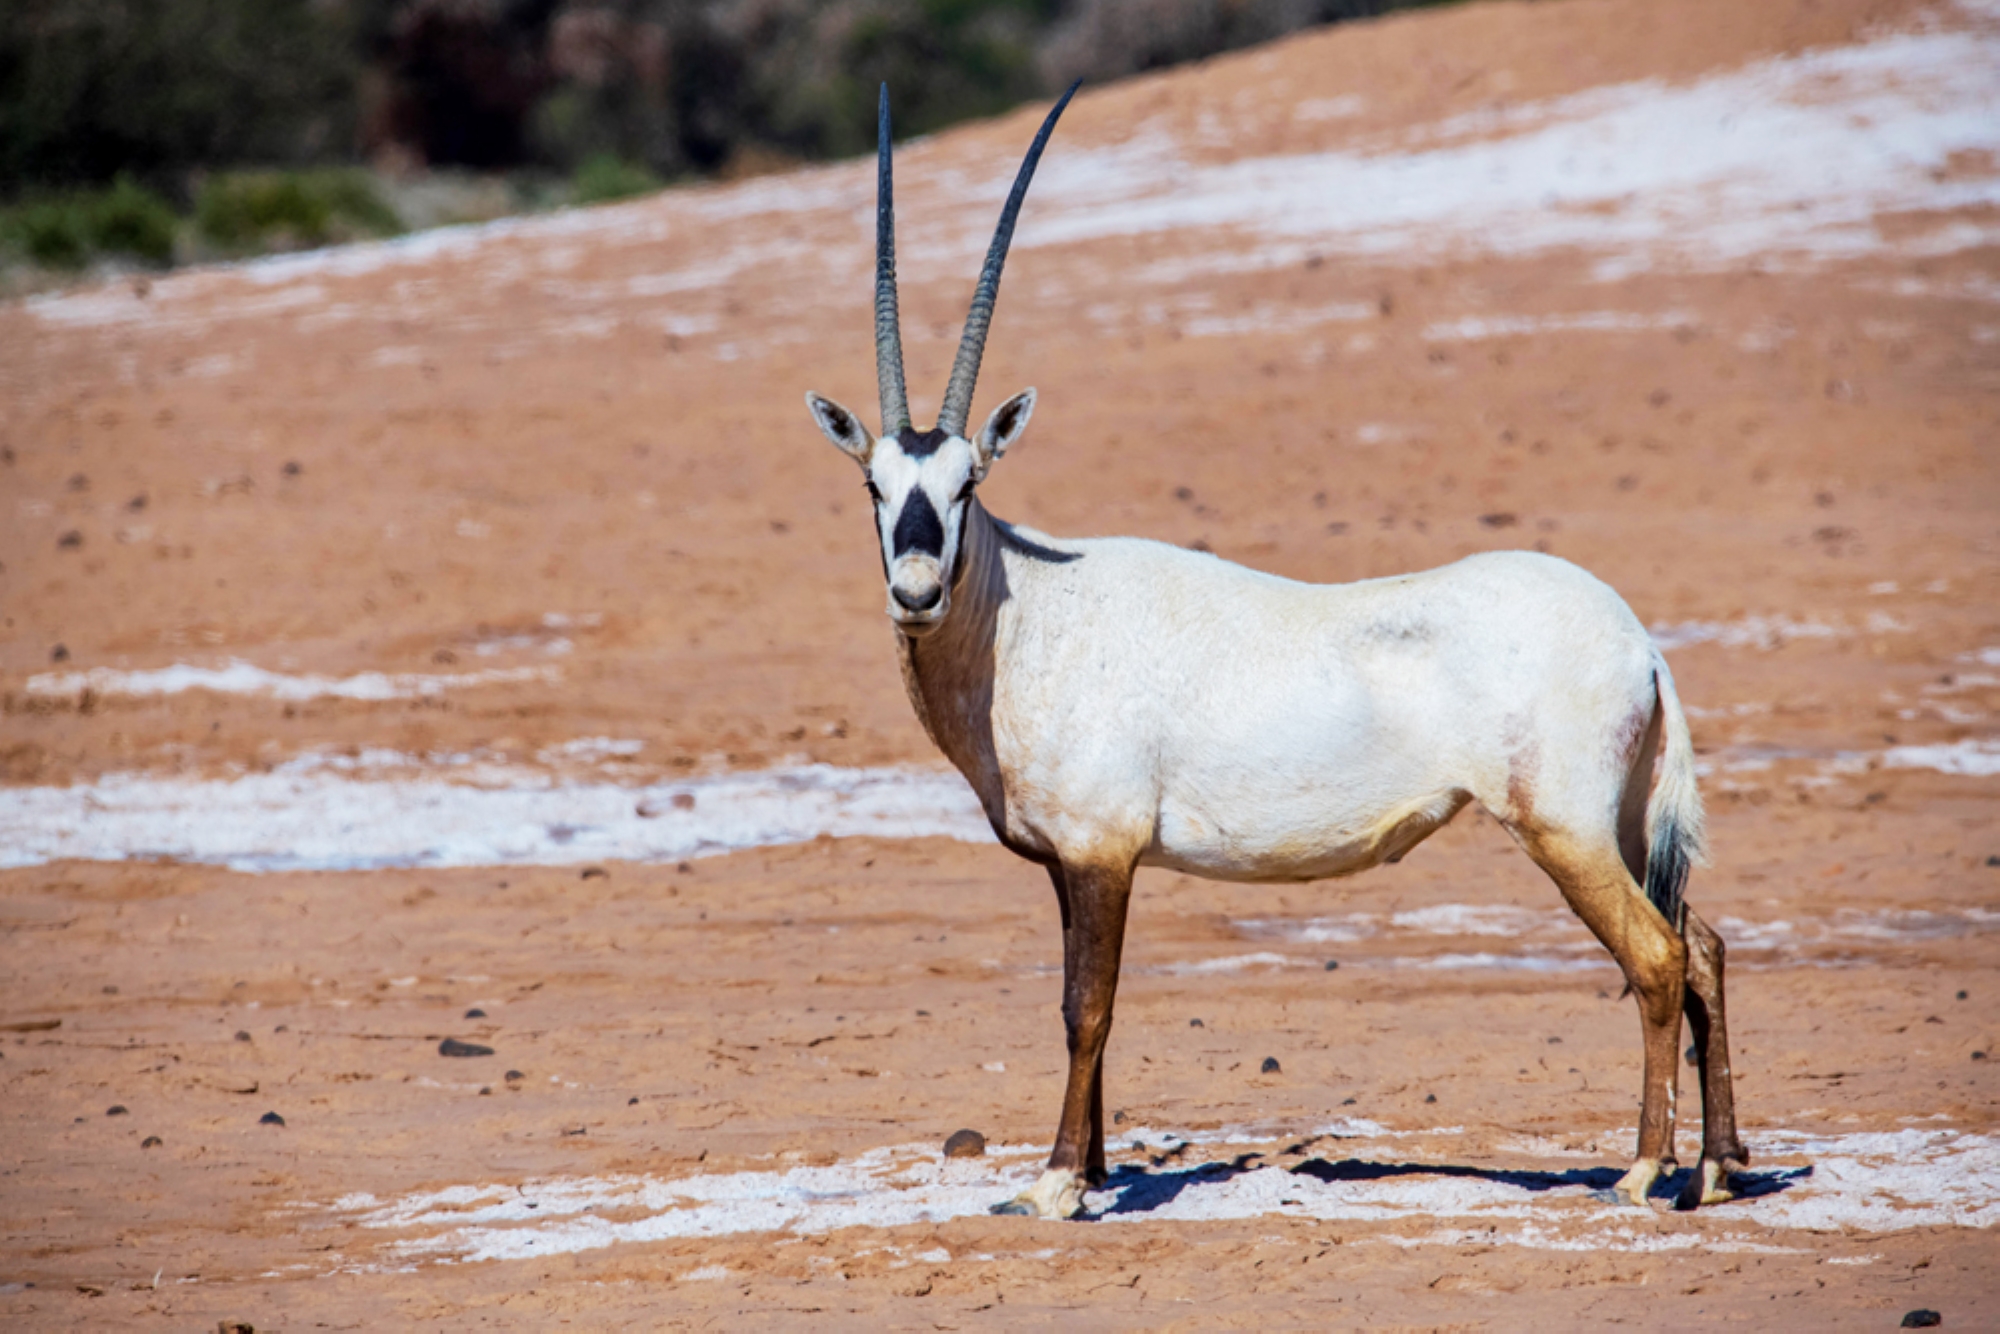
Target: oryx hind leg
1600	889
1722	1153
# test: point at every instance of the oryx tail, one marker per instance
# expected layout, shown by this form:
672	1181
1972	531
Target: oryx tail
1676	833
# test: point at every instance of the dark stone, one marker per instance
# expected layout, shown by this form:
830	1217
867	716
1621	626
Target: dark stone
631	1102
1499	519
1271	1066
475	1013
292	468
1961	995
1118	1118
1979	1056
486	1091
70	540
60	653
1430	1097
242	1035
270	1119
453	1047
570	1132
116	1109
111	991
1921	1319
514	1076
1347	1102
1333	965
965	1144
595	873
1196	1023
151	1142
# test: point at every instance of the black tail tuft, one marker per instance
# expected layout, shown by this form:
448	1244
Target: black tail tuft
1667	866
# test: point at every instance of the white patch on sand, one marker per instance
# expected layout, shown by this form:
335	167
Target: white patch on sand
1475	327
1790	158
1762	632
1869	1183
242	678
1978	758
303	818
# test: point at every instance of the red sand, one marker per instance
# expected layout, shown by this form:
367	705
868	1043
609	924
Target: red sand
490	436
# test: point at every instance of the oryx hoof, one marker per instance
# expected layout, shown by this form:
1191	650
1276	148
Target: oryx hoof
1057	1194
1634	1188
1708	1184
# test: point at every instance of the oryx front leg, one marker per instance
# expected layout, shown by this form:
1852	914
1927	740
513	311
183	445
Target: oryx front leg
1094	901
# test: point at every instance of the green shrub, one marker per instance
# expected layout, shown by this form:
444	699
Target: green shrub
260	210
129	219
605	176
67	231
51	232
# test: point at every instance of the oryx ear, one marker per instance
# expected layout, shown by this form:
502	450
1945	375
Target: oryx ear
1004	427
842	427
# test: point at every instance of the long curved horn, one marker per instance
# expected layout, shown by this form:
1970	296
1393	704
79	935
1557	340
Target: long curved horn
888	331
965	370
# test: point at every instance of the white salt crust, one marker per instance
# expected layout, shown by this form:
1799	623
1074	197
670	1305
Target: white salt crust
1866	1183
1787	162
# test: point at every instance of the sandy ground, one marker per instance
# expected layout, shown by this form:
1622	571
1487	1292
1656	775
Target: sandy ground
537	509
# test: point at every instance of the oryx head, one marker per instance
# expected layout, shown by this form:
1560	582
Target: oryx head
921	482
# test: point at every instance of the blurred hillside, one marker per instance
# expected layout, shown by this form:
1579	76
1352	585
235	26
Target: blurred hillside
573	99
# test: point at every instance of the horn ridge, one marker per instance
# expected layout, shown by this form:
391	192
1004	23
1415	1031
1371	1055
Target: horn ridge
888	330
965	368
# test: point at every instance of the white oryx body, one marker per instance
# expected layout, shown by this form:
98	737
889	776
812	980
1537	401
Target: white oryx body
1118	703
1241	726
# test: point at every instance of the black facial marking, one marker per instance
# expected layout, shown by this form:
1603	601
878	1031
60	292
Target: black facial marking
920	444
918	527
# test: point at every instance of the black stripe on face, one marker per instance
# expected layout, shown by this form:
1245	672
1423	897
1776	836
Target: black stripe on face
917	444
918	527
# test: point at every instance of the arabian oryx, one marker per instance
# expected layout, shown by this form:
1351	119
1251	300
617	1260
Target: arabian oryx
1118	703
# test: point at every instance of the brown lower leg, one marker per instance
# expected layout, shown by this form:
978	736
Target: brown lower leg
1092	946
1094	1170
1706	1020
1601	890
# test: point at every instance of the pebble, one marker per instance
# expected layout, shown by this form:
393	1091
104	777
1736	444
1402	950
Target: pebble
270	1119
111	991
594	873
1961	995
453	1047
1922	1319
1430	1097
242	1035
1979	1056
475	1013
486	1091
1271	1066
965	1144
631	1102
1196	1023
116	1109
514	1076
1333	965
569	1131
1348	1102
151	1142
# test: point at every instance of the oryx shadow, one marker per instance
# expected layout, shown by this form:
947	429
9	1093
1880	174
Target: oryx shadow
1142	1190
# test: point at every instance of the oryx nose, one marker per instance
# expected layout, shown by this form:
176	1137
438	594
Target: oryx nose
922	601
